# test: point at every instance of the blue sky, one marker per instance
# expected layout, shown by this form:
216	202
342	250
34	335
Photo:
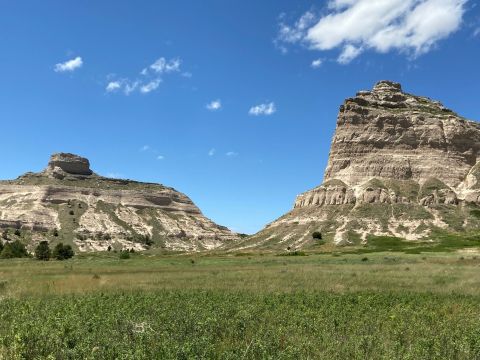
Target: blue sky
233	103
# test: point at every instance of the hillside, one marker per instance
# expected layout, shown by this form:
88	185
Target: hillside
68	202
400	165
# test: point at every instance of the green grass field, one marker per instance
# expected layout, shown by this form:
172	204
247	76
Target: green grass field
378	305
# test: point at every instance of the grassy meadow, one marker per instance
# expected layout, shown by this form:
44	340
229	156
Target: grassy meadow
335	305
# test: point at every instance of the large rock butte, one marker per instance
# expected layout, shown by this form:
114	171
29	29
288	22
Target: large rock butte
68	202
399	165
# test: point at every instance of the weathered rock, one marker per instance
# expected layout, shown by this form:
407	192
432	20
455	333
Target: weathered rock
93	212
68	163
399	165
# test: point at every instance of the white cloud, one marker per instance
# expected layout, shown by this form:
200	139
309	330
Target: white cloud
317	63
114	175
149	87
295	33
476	32
163	66
160	157
145	148
150	78
263	109
215	105
348	53
410	26
231	154
113	86
211	152
130	87
69	65
187	74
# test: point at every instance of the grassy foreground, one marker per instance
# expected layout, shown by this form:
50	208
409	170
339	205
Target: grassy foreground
322	306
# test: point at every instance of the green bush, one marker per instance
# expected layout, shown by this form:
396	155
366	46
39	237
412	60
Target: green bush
124	255
42	251
1	246
317	235
14	249
62	252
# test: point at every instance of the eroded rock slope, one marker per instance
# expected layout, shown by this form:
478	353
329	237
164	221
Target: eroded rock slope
399	165
68	202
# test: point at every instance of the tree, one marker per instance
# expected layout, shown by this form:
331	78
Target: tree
62	252
5	234
317	235
42	251
1	246
17	232
14	249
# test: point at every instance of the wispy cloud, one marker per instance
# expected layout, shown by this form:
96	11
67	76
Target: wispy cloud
316	63
263	109
163	65
149	87
231	154
145	148
214	105
413	27
211	152
150	79
69	66
476	32
113	86
160	157
114	175
348	53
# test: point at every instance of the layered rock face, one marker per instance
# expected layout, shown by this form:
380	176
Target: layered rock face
387	134
399	165
68	202
68	164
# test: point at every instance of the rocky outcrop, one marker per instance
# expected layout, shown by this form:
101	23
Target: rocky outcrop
68	202
388	134
61	164
399	165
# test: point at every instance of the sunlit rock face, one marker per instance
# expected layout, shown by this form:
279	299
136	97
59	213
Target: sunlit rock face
399	165
388	134
68	202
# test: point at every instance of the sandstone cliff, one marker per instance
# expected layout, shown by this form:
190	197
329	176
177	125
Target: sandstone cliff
399	165
68	202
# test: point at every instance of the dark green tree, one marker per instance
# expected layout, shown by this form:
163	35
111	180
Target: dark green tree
317	235
1	246
62	252
42	251
14	249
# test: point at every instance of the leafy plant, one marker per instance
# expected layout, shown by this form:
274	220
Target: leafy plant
14	249
124	254
42	251
62	252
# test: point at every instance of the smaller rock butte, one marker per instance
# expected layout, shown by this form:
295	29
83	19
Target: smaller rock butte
94	212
